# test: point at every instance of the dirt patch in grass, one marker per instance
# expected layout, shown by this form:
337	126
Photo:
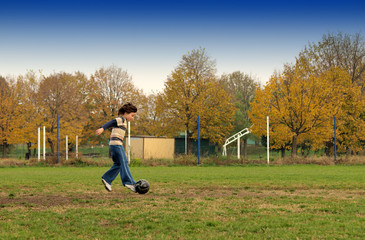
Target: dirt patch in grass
120	197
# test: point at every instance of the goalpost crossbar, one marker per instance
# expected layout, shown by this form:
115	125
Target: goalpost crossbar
234	138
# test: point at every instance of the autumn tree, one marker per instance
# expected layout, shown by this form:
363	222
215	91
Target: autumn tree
241	87
148	116
14	109
8	114
351	124
4	99
191	91
27	90
59	94
109	89
341	50
344	51
301	104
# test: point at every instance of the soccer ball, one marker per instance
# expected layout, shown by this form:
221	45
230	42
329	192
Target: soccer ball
142	186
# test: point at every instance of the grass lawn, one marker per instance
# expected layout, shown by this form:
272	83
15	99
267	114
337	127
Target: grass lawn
242	202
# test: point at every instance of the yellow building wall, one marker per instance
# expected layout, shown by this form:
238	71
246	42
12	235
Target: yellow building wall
159	148
136	148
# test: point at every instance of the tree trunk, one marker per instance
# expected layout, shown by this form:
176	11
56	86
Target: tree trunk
4	149
190	140
29	151
294	146
51	145
282	152
29	145
328	148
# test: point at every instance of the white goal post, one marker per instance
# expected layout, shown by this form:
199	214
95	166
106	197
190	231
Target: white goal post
235	137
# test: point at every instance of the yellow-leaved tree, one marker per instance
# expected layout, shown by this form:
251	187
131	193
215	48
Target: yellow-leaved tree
191	91
301	104
10	115
345	51
31	118
351	124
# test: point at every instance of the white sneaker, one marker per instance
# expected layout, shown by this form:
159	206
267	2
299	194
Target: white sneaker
107	185
131	187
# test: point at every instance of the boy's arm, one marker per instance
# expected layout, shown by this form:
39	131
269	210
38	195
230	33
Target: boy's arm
99	131
112	123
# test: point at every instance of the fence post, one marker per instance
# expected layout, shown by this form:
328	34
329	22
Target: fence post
44	143
77	147
66	147
335	148
58	138
39	144
268	141
198	139
238	147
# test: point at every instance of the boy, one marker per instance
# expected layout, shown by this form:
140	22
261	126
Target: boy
119	125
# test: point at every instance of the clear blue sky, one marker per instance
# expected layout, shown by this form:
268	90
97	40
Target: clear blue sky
148	38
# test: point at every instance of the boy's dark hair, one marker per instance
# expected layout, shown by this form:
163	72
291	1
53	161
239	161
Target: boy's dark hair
127	108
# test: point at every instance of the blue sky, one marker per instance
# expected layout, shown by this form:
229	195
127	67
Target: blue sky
148	38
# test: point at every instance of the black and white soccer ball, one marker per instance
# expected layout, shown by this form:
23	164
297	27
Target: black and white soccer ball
142	186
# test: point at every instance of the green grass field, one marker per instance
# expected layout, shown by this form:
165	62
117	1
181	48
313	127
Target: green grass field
243	202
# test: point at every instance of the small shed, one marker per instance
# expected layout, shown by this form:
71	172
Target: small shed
146	147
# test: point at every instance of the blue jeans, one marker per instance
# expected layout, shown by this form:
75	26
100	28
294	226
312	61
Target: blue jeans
120	166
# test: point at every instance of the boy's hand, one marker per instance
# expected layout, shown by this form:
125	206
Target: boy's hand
99	131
